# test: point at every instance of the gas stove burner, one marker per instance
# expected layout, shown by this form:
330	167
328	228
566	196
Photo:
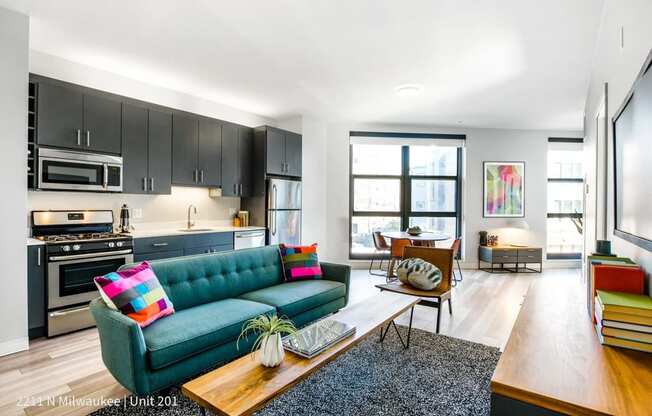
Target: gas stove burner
80	237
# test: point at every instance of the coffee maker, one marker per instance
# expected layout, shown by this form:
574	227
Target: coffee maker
124	219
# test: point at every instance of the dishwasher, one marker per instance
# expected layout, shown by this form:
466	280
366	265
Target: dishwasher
248	239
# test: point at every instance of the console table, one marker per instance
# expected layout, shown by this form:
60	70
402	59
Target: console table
502	255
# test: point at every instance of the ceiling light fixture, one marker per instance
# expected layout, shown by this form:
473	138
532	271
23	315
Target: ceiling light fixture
408	90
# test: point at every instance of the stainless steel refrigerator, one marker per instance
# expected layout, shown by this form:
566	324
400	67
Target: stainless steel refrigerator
283	211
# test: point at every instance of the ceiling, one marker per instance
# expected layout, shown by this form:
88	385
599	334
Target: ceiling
493	63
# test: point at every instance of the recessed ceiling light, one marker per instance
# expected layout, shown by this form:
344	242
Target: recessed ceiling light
408	90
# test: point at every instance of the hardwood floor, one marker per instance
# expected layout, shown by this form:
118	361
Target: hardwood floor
66	376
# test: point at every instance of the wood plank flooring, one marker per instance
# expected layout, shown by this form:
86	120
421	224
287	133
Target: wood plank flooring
66	376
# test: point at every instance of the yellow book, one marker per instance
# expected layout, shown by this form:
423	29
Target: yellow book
623	343
626	317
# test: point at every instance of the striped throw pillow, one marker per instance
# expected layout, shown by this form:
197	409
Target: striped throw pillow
300	262
135	292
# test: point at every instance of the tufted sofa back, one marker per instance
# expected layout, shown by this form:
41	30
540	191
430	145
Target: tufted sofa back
195	280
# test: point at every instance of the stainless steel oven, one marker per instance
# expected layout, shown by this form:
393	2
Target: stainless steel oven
78	171
71	287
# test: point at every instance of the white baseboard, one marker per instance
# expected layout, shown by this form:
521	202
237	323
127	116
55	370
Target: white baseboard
13	346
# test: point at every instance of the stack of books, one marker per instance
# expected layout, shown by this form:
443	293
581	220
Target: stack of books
624	320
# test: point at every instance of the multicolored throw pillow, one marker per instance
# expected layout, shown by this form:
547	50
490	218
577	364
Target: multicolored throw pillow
300	262
135	292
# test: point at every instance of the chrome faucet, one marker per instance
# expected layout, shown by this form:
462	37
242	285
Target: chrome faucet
190	208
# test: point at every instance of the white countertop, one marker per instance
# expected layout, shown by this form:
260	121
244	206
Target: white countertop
161	232
34	242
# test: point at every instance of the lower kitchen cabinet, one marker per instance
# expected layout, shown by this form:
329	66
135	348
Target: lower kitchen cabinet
155	248
36	291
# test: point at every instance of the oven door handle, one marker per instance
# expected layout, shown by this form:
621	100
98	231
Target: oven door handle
69	311
91	255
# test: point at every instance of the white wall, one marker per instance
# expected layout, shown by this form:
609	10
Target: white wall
619	66
14	32
482	145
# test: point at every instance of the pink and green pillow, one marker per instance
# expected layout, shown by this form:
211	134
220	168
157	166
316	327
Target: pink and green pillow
135	292
300	262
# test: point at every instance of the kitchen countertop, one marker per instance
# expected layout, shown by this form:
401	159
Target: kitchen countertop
34	242
162	232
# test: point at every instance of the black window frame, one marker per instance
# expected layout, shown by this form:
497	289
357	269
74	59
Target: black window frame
405	196
563	256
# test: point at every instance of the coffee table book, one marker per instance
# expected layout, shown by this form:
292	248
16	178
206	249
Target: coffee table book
315	338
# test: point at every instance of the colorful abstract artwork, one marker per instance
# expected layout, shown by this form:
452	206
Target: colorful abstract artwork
504	189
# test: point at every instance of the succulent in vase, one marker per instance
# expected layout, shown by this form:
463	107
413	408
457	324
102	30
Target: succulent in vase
269	330
416	230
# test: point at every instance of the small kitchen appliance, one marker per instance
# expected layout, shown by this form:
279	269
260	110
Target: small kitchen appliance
125	227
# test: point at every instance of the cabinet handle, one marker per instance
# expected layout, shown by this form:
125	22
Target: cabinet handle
194	176
159	244
151	184
38	257
235	189
201	176
240	190
88	138
144	184
78	137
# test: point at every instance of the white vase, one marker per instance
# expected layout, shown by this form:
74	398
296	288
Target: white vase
271	351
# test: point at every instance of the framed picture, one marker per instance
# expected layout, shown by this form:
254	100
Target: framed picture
504	189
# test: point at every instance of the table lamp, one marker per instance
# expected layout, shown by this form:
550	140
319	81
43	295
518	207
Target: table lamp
519	224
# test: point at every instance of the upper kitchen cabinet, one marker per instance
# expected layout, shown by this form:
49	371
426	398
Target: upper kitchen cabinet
185	136
196	151
209	159
281	151
70	117
146	150
237	154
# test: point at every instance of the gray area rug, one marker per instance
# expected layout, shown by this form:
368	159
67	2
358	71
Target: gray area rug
437	375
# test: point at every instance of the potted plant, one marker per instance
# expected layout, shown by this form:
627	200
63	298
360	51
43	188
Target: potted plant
268	341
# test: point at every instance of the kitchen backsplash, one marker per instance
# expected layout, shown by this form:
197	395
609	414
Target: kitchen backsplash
154	208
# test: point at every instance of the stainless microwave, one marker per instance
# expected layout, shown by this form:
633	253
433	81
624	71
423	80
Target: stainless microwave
78	171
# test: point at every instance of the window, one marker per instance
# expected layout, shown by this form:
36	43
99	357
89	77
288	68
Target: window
399	183
565	196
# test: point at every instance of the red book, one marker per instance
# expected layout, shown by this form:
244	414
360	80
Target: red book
618	279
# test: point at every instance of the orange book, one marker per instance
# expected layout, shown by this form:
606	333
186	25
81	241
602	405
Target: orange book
617	279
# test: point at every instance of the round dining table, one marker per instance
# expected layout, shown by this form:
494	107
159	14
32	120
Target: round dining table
423	237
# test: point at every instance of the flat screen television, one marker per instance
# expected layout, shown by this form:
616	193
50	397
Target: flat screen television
632	135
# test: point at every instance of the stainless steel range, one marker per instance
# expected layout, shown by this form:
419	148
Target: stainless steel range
80	245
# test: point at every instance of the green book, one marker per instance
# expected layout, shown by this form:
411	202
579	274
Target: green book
627	303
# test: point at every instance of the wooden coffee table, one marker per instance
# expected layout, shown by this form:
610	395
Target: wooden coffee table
244	386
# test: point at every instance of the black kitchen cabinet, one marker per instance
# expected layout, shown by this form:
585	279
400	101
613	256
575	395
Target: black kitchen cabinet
281	149
69	118
159	160
293	148
155	248
147	150
36	291
60	116
185	136
102	124
209	159
237	154
275	152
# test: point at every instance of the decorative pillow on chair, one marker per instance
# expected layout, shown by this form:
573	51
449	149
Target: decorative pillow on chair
300	262
419	274
135	292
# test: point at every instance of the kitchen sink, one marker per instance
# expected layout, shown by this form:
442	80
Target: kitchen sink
194	230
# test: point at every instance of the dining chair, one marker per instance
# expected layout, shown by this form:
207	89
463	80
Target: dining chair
396	255
457	244
443	259
381	249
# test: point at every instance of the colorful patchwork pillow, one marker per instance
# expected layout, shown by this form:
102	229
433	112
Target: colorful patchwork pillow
135	292
300	262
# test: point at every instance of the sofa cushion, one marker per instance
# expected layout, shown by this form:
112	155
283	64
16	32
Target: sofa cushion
293	298
197	329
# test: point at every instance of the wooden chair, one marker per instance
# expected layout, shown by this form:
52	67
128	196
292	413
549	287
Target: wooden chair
457	244
443	259
396	254
382	249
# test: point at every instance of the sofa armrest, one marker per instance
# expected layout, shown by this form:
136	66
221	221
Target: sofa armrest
123	347
338	273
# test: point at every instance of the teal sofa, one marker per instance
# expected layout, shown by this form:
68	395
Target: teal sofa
213	296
